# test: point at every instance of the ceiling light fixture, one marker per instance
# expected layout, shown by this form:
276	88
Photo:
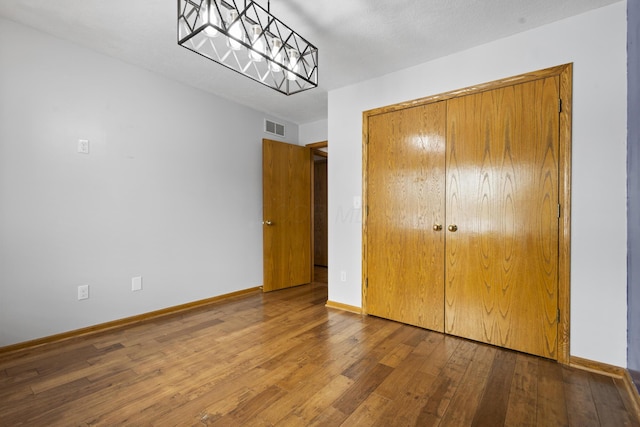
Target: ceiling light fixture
250	41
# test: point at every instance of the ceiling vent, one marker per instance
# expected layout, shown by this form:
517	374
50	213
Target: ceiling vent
273	128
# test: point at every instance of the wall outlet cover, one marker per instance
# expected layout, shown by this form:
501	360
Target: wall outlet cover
83	146
83	292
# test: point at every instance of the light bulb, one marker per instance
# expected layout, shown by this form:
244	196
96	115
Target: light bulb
294	65
276	55
209	17
257	44
234	30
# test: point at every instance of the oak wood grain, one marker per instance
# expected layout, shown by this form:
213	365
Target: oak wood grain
482	87
564	236
502	194
564	75
405	200
287	229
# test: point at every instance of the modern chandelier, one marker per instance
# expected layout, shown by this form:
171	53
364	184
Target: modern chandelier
245	37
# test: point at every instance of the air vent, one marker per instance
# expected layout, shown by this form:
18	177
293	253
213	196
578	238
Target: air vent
273	127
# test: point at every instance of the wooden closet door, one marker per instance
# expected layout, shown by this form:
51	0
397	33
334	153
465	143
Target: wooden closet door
405	197
502	194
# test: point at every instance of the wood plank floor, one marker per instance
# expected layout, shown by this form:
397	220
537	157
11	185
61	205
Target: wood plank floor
285	359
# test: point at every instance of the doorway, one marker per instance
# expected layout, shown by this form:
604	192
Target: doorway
289	207
320	211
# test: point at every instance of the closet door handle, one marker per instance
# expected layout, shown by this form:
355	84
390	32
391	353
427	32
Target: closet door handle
267	222
437	227
453	228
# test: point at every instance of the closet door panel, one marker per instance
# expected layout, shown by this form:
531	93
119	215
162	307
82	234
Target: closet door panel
405	199
502	194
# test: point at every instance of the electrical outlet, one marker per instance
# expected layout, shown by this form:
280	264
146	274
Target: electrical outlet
136	283
83	146
83	292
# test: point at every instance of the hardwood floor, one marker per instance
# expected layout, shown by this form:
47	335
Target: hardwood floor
285	359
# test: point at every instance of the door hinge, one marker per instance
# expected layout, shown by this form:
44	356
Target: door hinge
559	210
558	315
559	105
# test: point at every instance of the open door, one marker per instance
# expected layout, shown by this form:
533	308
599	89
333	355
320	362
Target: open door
287	219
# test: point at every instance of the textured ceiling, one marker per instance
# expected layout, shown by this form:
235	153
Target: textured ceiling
357	39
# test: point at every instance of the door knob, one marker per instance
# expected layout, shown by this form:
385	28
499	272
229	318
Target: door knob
267	222
437	227
453	228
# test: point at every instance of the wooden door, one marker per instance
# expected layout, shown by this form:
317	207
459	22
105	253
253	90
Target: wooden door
320	214
502	195
405	198
286	191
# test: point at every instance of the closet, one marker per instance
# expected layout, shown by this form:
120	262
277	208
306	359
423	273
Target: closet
464	221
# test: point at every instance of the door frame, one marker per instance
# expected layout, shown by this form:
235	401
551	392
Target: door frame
316	150
565	74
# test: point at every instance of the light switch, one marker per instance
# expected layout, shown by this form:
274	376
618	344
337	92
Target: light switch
357	202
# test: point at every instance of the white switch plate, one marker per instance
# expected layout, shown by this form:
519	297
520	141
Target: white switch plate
83	146
83	292
343	276
357	202
136	283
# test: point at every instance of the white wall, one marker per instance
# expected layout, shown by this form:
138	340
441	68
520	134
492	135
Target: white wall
313	132
171	189
596	43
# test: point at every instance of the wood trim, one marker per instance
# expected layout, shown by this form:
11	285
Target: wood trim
127	321
597	367
483	87
565	74
610	371
315	148
312	206
632	390
365	210
564	232
344	307
315	151
321	144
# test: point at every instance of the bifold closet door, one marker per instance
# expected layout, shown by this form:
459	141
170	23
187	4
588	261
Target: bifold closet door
502	196
405	197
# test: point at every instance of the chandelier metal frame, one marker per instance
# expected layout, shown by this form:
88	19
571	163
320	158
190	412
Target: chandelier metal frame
248	39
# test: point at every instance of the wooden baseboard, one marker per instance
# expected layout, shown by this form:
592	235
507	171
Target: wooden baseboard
612	371
128	321
344	307
633	391
597	367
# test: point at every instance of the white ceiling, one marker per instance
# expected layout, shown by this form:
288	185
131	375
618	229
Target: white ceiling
357	39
